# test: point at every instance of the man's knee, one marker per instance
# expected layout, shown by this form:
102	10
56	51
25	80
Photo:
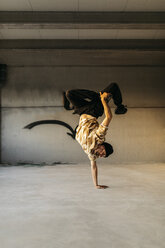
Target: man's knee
114	84
68	93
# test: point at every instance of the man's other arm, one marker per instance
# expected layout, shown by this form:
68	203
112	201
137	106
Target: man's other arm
107	110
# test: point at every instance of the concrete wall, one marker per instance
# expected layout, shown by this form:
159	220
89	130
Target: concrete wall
33	93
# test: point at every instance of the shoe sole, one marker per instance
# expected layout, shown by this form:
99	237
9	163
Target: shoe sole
121	113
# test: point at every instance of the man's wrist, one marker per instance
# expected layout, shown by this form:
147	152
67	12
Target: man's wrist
104	101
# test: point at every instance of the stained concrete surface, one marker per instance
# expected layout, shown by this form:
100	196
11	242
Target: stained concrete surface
57	206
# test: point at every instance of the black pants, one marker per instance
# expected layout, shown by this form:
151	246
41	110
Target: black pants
89	102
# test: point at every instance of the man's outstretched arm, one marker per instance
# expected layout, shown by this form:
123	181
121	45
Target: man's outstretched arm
107	110
94	176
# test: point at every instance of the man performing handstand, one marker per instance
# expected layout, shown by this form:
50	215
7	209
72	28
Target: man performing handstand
89	134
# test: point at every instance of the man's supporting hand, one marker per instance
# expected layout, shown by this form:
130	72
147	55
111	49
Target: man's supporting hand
94	176
101	187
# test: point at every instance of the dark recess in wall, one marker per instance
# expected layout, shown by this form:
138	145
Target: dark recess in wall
3	78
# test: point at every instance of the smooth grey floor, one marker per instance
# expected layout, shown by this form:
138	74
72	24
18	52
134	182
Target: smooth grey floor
58	207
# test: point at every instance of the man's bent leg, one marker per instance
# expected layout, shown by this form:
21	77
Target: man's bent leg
114	89
85	102
80	97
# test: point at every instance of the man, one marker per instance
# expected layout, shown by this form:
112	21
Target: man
89	134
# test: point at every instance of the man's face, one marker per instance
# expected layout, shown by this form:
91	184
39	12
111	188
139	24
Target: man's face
100	151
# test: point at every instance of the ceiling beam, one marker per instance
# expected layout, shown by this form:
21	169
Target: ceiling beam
81	20
79	57
84	44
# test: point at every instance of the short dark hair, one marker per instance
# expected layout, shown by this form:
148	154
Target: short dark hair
108	148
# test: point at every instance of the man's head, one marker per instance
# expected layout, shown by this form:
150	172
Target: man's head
104	150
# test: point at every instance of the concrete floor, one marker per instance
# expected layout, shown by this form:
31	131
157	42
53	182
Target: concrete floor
58	207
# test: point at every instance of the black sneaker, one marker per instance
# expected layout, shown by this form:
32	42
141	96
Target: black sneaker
121	110
66	102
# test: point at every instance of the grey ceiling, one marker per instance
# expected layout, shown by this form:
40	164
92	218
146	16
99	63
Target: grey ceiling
82	5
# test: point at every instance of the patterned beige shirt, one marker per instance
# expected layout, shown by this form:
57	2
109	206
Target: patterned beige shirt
90	134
